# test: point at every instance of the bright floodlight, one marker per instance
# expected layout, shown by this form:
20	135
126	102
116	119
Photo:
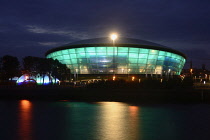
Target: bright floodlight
113	36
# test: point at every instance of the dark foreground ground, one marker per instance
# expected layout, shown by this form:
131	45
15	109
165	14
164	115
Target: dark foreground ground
100	94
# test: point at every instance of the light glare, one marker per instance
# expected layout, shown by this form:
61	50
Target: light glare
113	36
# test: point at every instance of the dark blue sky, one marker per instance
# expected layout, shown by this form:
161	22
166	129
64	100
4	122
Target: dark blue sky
31	27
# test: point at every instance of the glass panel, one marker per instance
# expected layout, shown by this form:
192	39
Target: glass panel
91	54
168	54
133	55
74	61
150	66
161	57
67	62
130	66
66	57
151	61
159	62
58	53
110	53
144	51
72	51
101	49
162	52
143	56
90	49
73	56
133	60
142	61
152	57
80	50
122	54
133	50
54	54
59	58
101	54
81	55
123	49
153	52
110	49
65	52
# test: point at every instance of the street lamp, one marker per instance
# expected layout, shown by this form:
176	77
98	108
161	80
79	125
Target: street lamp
113	37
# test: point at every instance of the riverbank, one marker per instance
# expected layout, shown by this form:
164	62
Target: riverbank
181	95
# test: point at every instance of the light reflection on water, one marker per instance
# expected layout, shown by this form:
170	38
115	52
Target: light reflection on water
117	121
45	120
25	118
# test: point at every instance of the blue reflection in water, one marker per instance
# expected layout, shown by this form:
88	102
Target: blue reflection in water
26	120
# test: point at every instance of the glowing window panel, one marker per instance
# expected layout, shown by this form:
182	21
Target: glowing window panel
81	55
72	56
168	54
153	51
60	57
142	61
66	57
122	54
54	54
74	61
133	50
101	49
151	61
110	53
123	49
143	56
161	58
152	57
162	52
133	55
80	50
144	50
110	49
91	54
133	60
58	53
101	54
90	49
65	52
72	51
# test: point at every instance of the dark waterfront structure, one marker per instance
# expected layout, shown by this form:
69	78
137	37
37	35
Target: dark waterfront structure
126	56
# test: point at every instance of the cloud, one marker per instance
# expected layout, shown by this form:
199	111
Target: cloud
61	32
50	43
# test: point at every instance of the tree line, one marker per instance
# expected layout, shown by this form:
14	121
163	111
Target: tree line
11	67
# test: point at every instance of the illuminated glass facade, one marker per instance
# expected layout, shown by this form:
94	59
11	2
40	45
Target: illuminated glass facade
121	59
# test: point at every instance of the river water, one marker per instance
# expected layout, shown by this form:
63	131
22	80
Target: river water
65	120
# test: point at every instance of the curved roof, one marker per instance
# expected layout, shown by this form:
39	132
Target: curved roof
120	42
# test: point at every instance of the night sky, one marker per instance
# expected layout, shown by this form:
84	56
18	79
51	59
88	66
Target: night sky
31	27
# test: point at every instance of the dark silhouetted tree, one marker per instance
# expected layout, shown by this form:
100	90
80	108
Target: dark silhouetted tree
10	67
45	66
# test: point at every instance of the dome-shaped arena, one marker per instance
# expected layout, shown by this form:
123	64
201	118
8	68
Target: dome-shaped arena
124	56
